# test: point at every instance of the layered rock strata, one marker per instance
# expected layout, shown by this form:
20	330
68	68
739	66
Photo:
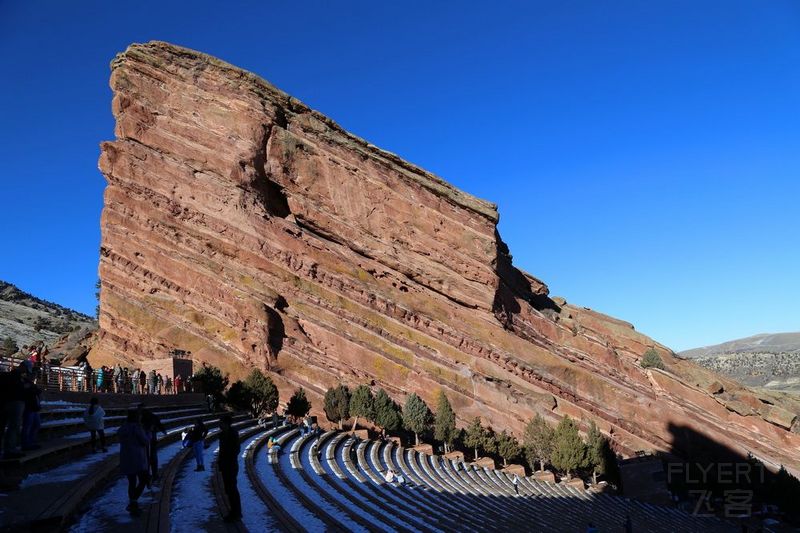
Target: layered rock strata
253	231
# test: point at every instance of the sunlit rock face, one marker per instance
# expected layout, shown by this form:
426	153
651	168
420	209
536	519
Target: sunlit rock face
252	231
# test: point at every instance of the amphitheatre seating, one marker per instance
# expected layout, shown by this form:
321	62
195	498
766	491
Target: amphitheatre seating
317	482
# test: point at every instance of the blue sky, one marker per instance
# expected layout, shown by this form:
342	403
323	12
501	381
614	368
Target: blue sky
645	156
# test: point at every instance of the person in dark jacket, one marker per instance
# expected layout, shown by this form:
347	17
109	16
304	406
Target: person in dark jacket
31	422
152	425
133	458
13	394
197	438
228	465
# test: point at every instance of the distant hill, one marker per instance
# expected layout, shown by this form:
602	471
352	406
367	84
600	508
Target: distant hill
767	360
24	319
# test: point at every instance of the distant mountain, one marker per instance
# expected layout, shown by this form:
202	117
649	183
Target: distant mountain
24	319
768	360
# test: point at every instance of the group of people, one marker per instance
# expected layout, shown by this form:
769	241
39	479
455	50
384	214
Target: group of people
21	400
121	379
392	477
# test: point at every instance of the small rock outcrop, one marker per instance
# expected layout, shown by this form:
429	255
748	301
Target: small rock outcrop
253	231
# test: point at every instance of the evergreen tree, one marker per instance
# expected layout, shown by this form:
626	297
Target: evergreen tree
361	404
238	396
507	447
416	416
263	394
569	450
475	436
387	412
489	441
337	404
209	380
651	359
537	440
298	405
444	425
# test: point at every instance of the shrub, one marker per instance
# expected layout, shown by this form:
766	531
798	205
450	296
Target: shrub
238	396
651	359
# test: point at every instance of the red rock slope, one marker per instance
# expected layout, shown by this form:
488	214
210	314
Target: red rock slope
255	232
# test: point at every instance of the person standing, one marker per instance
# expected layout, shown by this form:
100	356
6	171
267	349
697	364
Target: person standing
178	384
197	438
13	395
515	481
152	425
136	382
93	417
160	383
133	458
118	378
143	381
228	466
31	422
153	381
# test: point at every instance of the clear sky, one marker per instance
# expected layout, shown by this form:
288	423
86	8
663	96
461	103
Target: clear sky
645	156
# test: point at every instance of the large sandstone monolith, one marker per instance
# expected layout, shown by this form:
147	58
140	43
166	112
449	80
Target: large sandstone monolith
252	231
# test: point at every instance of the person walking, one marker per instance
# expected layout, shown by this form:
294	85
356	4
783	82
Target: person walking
197	438
133	458
152	425
228	465
93	417
515	481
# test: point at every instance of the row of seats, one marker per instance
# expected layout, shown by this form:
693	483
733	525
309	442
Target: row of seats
311	482
339	482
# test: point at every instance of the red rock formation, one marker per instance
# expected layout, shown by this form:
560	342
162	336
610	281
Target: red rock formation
253	231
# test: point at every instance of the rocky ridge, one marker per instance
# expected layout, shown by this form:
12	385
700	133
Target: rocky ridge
26	319
768	360
253	231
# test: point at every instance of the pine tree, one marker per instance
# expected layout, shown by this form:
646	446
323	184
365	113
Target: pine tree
596	451
538	442
489	441
337	404
298	405
210	380
361	404
444	425
263	394
569	450
238	396
507	447
387	412
475	436
416	416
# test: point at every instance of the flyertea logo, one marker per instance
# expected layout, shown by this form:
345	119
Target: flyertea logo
736	501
